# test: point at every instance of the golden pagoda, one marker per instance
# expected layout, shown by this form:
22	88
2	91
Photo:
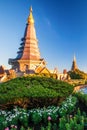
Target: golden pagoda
28	58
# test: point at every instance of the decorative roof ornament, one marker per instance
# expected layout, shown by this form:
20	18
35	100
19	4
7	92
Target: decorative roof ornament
30	19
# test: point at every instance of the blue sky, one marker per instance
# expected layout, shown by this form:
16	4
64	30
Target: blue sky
61	28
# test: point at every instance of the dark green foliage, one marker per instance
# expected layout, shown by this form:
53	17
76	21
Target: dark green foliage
82	101
73	122
77	74
34	91
36	118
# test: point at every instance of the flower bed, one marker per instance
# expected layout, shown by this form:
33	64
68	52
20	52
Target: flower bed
77	121
20	118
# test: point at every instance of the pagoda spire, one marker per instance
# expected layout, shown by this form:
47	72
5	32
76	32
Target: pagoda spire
74	64
31	49
30	19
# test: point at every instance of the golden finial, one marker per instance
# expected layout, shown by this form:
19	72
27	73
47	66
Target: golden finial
30	19
31	9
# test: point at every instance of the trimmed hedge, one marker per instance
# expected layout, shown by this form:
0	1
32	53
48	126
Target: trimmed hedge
25	91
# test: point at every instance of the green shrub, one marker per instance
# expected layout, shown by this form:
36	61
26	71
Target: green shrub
36	117
23	91
82	100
